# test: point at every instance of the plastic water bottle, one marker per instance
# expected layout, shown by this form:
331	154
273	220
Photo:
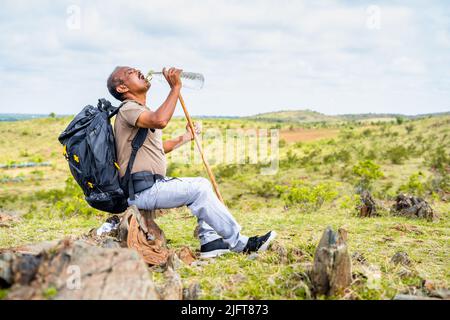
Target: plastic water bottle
189	80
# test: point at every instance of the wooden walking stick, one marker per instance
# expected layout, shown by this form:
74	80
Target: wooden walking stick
200	149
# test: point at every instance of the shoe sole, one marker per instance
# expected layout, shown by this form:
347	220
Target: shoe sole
266	244
214	253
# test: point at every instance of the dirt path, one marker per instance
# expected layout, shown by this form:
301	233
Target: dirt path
305	135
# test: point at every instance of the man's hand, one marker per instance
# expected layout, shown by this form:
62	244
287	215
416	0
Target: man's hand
198	129
173	77
170	145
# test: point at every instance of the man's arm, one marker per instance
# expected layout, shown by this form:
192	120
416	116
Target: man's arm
161	117
170	145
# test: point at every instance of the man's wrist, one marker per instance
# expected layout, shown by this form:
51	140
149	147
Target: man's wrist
187	137
176	88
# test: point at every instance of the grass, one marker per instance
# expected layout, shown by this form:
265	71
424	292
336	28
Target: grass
314	187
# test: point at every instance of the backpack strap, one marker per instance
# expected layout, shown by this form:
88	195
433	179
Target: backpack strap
136	144
115	111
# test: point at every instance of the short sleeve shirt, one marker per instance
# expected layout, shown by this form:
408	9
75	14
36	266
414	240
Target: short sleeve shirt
151	156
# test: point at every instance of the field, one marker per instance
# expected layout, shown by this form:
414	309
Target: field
322	168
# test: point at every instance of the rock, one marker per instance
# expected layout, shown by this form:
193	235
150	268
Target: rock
440	293
78	270
6	274
368	207
253	256
280	251
412	297
407	228
173	261
331	272
173	287
32	249
359	257
110	243
6	220
200	263
401	258
412	207
186	255
192	292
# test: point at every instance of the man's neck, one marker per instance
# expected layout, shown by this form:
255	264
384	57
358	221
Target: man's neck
142	99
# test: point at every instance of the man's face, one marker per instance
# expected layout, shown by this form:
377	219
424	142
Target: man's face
133	81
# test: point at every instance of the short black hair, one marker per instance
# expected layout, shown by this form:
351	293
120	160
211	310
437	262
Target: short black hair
113	82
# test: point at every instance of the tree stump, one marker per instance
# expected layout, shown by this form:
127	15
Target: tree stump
368	207
331	272
412	207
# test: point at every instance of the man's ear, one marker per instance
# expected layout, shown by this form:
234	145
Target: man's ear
122	89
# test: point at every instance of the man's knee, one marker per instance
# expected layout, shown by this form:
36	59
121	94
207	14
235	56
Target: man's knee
203	184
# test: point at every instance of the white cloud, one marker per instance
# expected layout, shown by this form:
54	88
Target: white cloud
256	55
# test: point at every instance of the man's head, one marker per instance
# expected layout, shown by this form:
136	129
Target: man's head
126	82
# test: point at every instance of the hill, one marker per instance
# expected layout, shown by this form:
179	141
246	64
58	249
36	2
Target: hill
314	116
294	116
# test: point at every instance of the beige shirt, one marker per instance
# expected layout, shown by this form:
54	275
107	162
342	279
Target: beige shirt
151	156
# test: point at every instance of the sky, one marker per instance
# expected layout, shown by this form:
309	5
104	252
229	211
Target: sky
334	57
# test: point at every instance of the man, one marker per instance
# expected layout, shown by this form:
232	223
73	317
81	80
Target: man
218	230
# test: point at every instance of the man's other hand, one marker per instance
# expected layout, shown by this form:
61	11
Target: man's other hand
173	77
197	128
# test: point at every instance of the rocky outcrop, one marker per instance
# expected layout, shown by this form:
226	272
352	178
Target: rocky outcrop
77	270
412	207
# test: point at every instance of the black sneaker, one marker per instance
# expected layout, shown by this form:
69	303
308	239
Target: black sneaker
214	249
257	243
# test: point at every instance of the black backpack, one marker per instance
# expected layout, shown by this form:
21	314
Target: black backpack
90	150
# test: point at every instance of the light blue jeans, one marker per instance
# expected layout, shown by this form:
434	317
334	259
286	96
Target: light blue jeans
214	219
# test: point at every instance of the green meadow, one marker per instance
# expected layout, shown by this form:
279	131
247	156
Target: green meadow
322	165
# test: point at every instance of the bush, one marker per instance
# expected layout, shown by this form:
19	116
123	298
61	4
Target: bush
265	189
366	172
290	160
409	128
65	202
439	162
308	197
397	154
342	156
399	120
415	185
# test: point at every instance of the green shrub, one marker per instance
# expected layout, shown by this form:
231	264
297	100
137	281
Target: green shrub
409	128
308	197
399	120
265	189
309	158
397	154
439	160
366	172
415	185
